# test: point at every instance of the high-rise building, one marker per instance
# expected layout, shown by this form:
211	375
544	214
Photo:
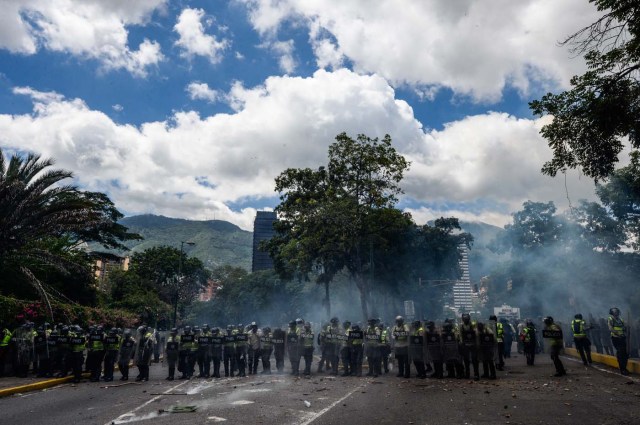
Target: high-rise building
262	230
463	294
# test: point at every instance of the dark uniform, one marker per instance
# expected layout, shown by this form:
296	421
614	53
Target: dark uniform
229	352
217	342
242	344
553	333
127	351
401	334
306	344
266	344
187	353
529	340
77	343
95	354
112	347
204	352
433	343
469	347
333	343
487	349
278	340
619	339
254	349
580	339
372	337
172	352
293	347
451	352
144	353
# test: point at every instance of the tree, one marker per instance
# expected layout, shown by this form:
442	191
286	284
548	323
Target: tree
42	222
328	217
592	120
176	278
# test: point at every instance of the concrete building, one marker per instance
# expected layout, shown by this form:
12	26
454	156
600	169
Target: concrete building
262	230
463	295
106	263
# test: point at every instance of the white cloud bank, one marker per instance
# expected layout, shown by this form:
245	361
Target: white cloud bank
475	48
201	91
196	167
192	39
92	29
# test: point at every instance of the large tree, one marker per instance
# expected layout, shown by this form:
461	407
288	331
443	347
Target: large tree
331	217
43	222
592	121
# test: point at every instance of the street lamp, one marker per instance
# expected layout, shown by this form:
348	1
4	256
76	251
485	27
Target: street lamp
175	301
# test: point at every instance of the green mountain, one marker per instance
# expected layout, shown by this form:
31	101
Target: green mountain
217	242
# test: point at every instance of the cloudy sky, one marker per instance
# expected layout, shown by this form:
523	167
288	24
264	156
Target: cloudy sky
191	108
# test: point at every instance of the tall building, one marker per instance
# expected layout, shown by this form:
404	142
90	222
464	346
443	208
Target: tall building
262	230
463	294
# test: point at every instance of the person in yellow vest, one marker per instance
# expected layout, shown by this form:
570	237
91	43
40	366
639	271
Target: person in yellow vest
553	333
416	348
619	338
111	348
486	350
217	342
266	344
355	340
469	347
77	343
5	338
345	350
372	336
242	346
95	353
187	347
293	347
204	352
254	348
229	351
385	345
306	341
144	352
500	340
529	341
580	339
400	334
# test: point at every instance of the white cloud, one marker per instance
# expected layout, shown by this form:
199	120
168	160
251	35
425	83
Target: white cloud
192	39
117	107
201	91
191	166
475	48
284	50
90	29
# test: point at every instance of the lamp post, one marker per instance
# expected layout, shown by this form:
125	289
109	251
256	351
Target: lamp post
179	280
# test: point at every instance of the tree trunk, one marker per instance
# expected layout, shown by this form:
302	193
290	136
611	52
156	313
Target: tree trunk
327	300
361	283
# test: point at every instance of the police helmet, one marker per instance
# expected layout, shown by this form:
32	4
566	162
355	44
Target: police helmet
372	321
174	330
229	327
187	329
196	328
416	323
480	326
335	321
381	325
253	324
466	317
355	327
578	316
99	328
528	322
127	332
299	321
615	311
307	325
493	317
266	329
240	326
399	320
215	330
430	324
206	327
113	331
548	320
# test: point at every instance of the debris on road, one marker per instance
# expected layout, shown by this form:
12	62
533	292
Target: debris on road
306	403
179	409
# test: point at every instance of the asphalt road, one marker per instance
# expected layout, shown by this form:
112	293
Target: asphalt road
521	395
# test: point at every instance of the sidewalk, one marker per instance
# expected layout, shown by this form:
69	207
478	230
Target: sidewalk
10	385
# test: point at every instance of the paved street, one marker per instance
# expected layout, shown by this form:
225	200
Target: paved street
521	395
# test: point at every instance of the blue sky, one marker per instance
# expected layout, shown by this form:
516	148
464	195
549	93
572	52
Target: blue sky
191	108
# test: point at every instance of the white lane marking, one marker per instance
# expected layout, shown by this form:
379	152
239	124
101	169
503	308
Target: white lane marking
216	419
602	369
241	402
331	406
146	403
257	390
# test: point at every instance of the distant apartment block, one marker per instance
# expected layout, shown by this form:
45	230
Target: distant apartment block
463	295
105	264
262	230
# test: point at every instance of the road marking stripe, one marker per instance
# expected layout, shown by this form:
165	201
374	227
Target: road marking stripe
331	406
146	403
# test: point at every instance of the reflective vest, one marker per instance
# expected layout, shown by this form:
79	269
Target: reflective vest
95	342
372	336
265	341
616	326
401	335
577	326
499	332
112	342
307	339
4	342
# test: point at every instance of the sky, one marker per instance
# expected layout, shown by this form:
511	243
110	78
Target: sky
190	109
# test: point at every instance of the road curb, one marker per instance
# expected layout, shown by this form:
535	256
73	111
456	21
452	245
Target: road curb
35	386
633	366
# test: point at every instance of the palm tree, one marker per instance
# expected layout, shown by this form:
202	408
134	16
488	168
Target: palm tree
37	211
